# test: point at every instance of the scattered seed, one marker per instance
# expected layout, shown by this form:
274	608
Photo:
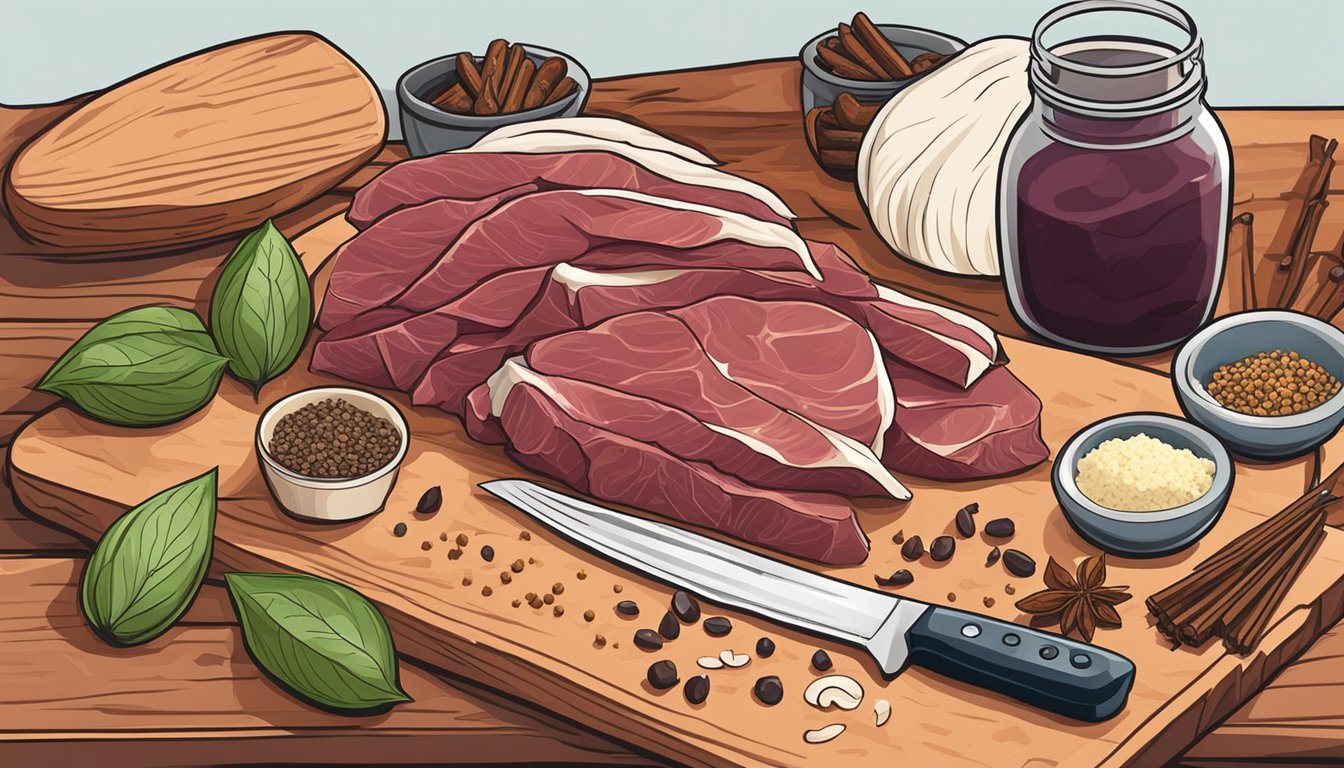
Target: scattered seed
989	602
898	537
669	627
557	588
840	691
821	661
399	529
599	640
426	546
1000	528
505	577
994	555
710	662
524	535
516	602
768	690
965	523
648	640
617	588
685	606
454	553
581	575
1009	589
733	659
717	626
881	712
466	581
913	548
1019	563
517	566
697	689
765	647
333	438
488	553
443	536
942	548
616	645
951	597
535	602
531	561
896	579
430	501
823	735
663	674
588	615
530	596
972	508
548	598
487	591
558	610
627	608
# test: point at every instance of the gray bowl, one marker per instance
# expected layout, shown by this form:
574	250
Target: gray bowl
1234	337
821	87
1142	534
429	130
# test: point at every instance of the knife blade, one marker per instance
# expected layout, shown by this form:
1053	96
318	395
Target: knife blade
1074	679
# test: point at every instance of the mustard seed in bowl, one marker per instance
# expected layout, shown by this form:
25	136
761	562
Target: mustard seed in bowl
1274	383
331	438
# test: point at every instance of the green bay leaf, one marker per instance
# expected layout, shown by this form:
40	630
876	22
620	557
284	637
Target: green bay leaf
142	367
150	562
321	640
262	307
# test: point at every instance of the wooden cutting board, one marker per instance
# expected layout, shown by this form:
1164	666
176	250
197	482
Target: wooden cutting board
81	475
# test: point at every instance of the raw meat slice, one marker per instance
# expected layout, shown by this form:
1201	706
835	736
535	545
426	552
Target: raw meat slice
805	464
605	129
945	432
594	460
656	355
942	341
482	174
370	269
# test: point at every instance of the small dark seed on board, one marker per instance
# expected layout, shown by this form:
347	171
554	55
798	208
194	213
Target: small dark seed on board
697	689
548	598
898	537
426	546
913	548
581	575
669	627
972	508
989	602
896	579
768	690
616	588
505	577
558	610
648	640
942	548
965	524
1009	589
718	626
663	675
1018	563
951	597
487	553
588	615
557	588
821	661
516	602
517	566
462	539
627	608
466	581
487	591
525	535
685	606
443	537
399	529
599	640
993	557
765	648
1000	528
430	501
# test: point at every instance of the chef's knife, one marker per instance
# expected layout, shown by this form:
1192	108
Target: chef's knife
1044	670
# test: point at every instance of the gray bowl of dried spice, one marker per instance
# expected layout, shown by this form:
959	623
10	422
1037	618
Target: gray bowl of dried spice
1264	405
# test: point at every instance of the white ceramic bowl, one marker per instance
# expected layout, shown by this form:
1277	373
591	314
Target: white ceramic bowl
323	499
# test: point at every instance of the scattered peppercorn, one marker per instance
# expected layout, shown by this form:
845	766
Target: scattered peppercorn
524	535
599	640
768	690
617	588
588	615
685	606
989	602
942	548
443	537
558	610
765	647
454	553
669	627
466	581
951	597
965	523
717	626
399	529
488	553
1019	563
331	438
913	548
648	640
557	588
462	539
517	566
531	561
821	661
535	602
516	602
426	546
548	598
1001	528
487	591
1009	589
663	675
627	608
993	557
430	501
898	537
696	689
1274	383
581	575
505	577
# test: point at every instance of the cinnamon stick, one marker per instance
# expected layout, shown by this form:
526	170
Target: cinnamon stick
488	102
1292	242
840	64
562	89
853	114
1241	273
512	61
886	55
838	138
1302	258
468	75
548	74
522	81
1252	628
851	45
492	68
455	99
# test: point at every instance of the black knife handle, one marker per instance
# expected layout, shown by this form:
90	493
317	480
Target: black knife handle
1044	670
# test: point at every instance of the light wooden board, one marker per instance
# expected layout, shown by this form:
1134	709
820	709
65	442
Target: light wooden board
81	474
193	697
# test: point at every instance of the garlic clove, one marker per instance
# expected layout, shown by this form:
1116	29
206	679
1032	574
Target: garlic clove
840	691
882	711
709	662
823	735
734	660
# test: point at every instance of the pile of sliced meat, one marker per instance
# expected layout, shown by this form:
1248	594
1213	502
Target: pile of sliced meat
628	318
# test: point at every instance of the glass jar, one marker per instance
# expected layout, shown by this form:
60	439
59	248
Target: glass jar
1115	190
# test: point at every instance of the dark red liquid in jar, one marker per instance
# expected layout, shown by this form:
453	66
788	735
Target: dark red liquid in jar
1118	247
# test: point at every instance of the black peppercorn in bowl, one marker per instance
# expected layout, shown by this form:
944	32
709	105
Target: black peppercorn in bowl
365	451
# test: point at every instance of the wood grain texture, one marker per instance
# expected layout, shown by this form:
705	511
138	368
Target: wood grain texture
210	145
80	474
193	697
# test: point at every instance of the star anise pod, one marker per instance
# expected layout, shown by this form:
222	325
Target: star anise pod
1080	604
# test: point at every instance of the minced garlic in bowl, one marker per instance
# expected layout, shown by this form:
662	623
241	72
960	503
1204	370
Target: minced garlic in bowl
1143	474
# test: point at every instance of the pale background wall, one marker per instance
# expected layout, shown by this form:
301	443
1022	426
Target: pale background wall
1259	52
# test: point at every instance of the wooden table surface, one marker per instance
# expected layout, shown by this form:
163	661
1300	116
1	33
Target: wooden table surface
745	115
